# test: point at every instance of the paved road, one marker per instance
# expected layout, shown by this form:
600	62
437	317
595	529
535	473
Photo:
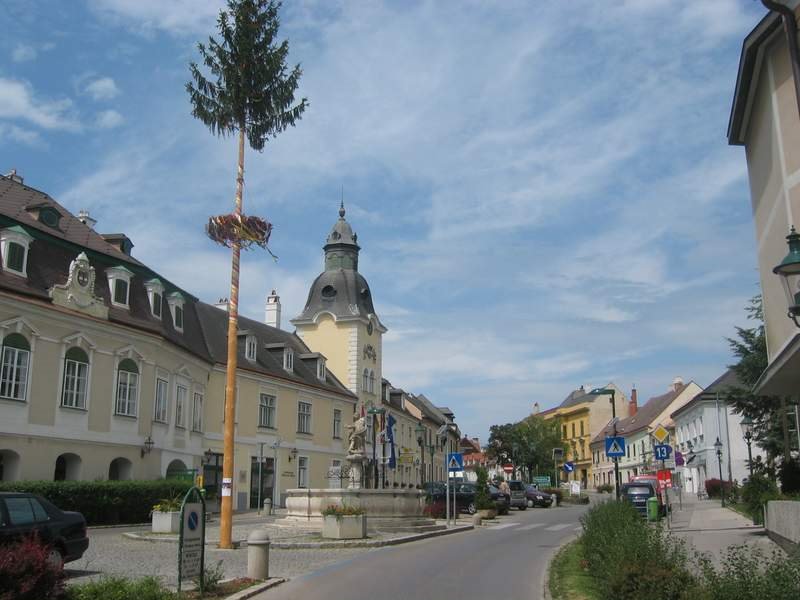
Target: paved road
502	561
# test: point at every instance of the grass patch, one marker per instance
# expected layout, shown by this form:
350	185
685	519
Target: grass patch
741	509
569	578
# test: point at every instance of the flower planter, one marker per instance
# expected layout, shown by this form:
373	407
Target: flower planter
344	527
166	522
488	513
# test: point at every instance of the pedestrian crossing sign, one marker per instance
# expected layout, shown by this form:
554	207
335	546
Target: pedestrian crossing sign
615	446
455	462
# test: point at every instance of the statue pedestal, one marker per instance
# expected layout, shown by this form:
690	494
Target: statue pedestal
356	469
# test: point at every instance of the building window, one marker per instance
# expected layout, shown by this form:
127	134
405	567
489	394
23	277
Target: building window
119	280
251	347
181	393
197	412
337	423
76	379
303	417
302	471
321	369
365	383
288	359
564	432
266	411
127	388
155	293
371	381
14	244
573	430
161	411
582	428
14	370
176	303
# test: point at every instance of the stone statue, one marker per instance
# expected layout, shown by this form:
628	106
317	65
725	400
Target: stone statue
356	435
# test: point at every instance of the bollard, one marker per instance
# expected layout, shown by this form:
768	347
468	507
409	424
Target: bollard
258	555
268	506
476	520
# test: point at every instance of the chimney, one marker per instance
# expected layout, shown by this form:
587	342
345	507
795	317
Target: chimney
222	304
83	217
536	408
120	241
14	177
633	407
677	383
272	313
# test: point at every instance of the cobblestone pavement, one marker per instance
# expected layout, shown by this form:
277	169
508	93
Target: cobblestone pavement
111	553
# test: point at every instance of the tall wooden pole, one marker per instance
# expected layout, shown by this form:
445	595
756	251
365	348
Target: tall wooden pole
226	509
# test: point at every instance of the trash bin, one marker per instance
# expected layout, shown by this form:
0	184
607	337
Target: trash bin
653	512
268	505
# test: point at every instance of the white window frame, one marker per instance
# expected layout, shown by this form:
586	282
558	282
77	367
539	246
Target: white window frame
131	381
197	411
79	401
155	288
177	301
119	273
288	359
251	348
266	409
321	369
161	405
16	235
337	423
304	417
181	404
302	471
14	367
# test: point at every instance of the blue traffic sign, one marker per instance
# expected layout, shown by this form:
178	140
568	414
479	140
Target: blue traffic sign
193	520
615	446
662	451
569	467
455	462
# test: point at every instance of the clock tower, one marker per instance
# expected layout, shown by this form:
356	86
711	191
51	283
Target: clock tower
339	318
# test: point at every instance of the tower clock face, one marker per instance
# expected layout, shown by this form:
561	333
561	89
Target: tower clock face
83	277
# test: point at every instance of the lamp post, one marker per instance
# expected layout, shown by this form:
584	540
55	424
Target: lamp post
747	431
718	448
603	392
420	431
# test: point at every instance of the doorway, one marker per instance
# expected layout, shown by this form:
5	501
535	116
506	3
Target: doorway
267	477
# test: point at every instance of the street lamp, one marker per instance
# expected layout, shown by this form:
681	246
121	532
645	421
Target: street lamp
148	446
603	392
789	272
718	448
747	431
420	431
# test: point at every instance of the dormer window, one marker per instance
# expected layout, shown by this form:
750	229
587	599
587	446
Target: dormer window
45	214
288	359
251	347
155	293
321	369
119	283
176	302
14	244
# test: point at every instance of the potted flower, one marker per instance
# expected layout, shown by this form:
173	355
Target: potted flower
344	522
166	515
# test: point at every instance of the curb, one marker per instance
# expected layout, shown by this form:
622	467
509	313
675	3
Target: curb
546	578
256	589
320	545
117	526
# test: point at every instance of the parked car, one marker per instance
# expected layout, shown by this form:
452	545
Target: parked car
518	498
654	481
434	490
536	498
637	493
26	514
465	498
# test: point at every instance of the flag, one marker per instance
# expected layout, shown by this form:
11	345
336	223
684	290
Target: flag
390	437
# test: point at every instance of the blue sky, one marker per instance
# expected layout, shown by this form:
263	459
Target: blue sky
543	191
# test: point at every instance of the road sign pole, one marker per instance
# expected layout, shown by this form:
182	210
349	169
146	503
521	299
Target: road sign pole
447	491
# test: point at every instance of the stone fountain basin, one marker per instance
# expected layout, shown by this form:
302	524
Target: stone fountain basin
308	504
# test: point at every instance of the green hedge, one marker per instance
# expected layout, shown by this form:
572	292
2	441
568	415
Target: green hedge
104	502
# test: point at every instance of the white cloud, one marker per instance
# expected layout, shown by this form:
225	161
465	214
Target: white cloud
109	119
17	101
176	16
23	52
21	135
103	88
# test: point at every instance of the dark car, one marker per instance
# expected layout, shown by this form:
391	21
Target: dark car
536	498
27	514
518	497
637	493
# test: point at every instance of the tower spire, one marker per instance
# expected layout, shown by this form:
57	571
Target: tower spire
341	205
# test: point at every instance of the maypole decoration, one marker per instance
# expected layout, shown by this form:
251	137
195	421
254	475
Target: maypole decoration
227	229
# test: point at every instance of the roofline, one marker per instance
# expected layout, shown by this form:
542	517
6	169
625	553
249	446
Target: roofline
747	75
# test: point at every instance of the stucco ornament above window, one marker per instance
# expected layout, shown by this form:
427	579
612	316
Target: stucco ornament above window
78	292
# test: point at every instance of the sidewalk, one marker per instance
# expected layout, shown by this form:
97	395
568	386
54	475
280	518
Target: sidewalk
713	529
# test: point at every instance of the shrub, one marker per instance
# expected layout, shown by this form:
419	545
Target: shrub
789	475
26	573
119	588
104	502
557	492
435	510
605	488
714	488
334	510
482	499
758	490
747	573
